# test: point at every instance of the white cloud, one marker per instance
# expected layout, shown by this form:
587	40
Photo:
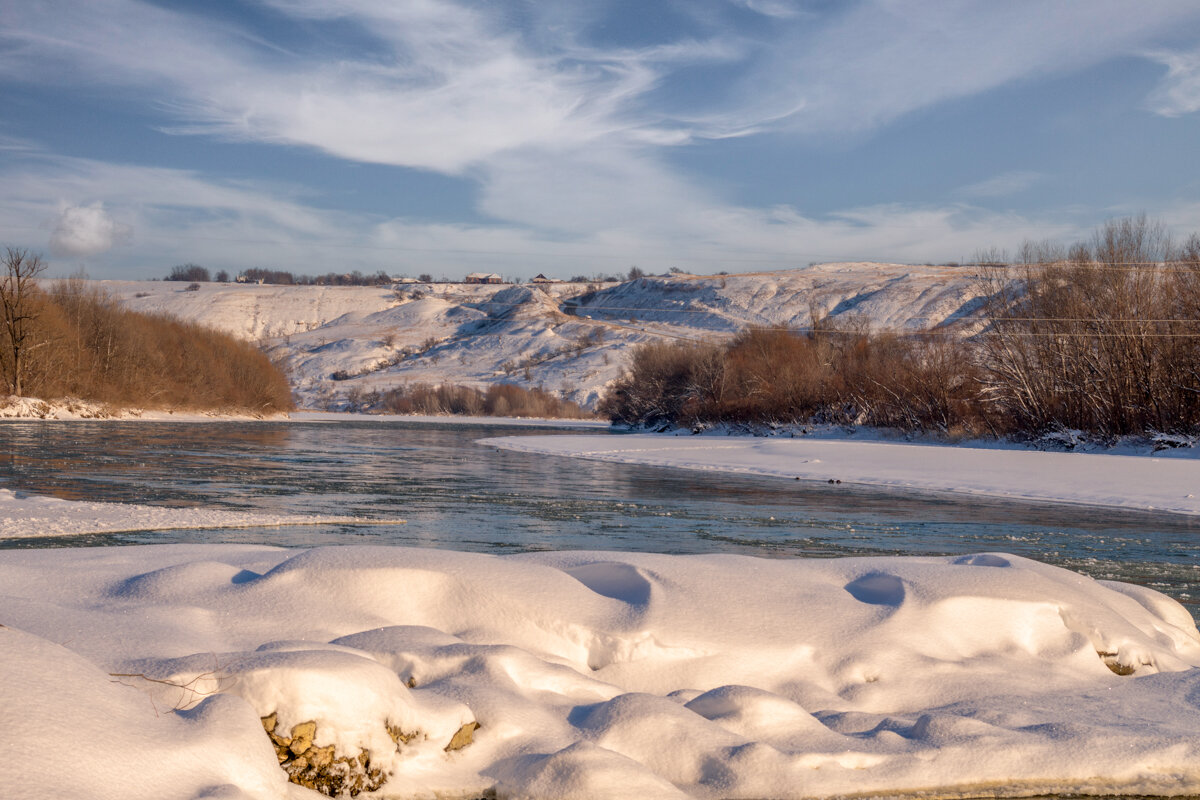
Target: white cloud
87	231
1179	92
781	9
1003	185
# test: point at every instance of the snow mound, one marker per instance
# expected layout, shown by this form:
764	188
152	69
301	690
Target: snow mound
592	674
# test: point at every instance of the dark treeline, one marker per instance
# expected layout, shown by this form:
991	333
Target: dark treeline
194	273
1101	337
284	278
79	342
499	400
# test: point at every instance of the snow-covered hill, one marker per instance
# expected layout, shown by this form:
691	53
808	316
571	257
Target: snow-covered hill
572	338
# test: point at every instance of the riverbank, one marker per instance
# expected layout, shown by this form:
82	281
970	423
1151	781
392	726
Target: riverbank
69	409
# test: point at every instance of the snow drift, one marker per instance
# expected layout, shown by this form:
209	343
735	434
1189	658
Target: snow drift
591	674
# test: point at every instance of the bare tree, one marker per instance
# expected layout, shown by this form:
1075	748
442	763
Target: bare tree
189	272
19	309
1101	336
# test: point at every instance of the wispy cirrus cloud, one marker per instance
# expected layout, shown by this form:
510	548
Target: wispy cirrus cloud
445	87
1179	92
1003	185
874	61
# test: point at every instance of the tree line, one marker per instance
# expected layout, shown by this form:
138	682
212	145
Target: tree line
194	273
70	338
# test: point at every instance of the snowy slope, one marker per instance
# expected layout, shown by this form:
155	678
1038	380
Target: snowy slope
568	337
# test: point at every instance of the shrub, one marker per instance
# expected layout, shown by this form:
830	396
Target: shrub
836	374
499	400
1101	338
92	348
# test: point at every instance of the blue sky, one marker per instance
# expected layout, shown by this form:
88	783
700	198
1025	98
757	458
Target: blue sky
585	136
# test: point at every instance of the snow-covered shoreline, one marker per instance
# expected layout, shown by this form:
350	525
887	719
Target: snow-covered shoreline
29	409
1159	483
25	516
143	672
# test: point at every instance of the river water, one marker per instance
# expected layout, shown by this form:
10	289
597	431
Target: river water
456	494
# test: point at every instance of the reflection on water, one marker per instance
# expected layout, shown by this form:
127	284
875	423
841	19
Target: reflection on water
460	495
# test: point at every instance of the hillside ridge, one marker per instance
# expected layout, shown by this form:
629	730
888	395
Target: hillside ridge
571	338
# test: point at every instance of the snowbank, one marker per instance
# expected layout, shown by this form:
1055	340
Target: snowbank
68	408
450	419
590	674
23	516
1123	481
29	408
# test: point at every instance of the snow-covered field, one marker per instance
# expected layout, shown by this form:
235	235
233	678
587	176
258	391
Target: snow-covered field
568	337
143	672
1169	482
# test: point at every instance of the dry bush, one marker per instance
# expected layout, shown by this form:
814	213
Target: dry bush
839	374
1101	338
96	350
666	383
500	400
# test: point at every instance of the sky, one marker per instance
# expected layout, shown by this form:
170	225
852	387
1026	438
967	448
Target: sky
584	137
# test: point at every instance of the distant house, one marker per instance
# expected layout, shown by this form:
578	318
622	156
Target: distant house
483	277
540	278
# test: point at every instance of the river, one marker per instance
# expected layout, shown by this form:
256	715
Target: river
456	494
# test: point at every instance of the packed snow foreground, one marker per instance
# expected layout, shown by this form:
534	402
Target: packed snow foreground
219	670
